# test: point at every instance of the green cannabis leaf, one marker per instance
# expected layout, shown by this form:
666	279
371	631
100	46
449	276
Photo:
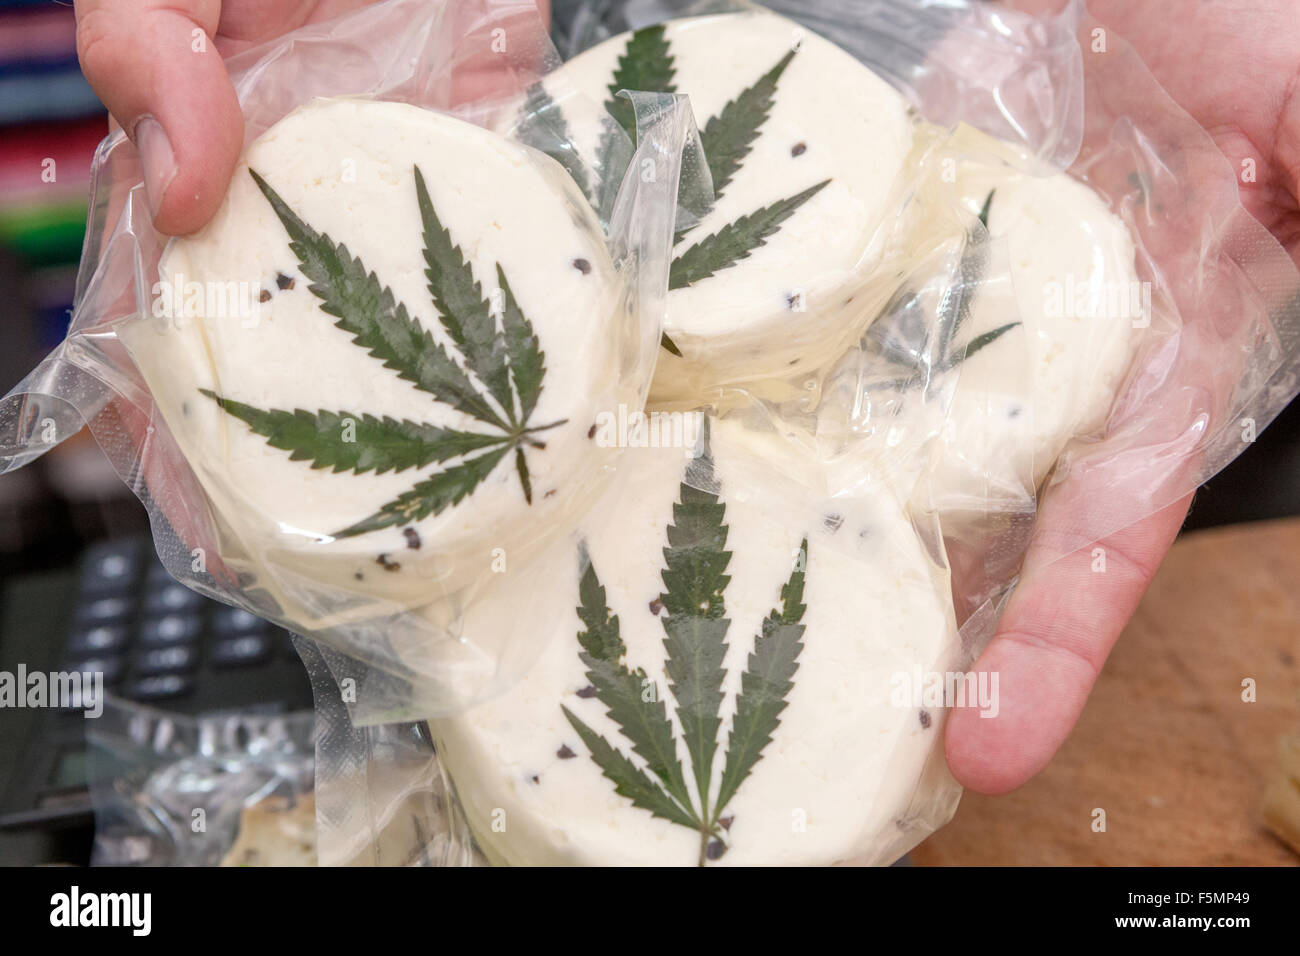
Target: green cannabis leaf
507	362
728	137
695	628
898	334
380	444
971	269
542	124
736	240
647	63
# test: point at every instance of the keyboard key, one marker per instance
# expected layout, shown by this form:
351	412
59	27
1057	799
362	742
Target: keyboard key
172	629
241	651
110	667
233	620
104	610
106	639
111	567
172	598
160	686
167	660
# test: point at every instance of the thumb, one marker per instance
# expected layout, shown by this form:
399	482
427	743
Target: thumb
155	67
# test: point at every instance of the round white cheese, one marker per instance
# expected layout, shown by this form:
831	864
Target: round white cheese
1058	267
848	762
1021	399
347	168
790	304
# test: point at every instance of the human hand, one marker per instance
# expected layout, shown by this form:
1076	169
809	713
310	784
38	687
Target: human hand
159	68
1234	66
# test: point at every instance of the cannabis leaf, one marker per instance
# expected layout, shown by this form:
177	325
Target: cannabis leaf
695	628
696	624
765	684
644	724
971	270
380	444
507	362
728	137
898	335
647	63
736	240
542	125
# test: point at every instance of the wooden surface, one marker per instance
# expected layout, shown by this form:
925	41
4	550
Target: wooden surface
1166	745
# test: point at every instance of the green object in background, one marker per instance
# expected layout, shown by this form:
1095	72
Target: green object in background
45	234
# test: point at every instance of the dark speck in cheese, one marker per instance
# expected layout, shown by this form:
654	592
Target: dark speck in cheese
798	149
283	281
564	753
583	266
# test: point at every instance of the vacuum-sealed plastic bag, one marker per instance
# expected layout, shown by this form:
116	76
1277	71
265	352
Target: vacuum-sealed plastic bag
220	789
719	577
952	282
370	383
1072	322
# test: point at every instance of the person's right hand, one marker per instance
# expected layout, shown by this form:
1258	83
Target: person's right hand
158	67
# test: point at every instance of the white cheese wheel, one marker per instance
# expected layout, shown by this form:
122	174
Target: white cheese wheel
1020	400
1060	268
847	766
346	167
789	306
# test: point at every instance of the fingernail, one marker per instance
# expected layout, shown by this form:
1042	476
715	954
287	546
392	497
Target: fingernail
158	160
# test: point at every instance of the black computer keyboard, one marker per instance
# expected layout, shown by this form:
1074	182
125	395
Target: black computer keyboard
158	643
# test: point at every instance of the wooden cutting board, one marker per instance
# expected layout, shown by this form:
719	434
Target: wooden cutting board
1166	745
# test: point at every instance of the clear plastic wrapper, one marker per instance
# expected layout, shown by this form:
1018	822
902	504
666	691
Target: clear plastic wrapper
968	377
1188	343
362	390
731	561
222	789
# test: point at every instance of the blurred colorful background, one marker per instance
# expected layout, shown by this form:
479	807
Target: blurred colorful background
68	520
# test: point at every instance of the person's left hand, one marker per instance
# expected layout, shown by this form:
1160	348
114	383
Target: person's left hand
1234	65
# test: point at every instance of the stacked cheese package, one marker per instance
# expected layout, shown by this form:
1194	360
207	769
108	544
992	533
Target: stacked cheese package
609	424
742	680
722	624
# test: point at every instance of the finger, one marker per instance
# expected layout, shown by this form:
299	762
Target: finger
1055	634
246	23
155	67
498	59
